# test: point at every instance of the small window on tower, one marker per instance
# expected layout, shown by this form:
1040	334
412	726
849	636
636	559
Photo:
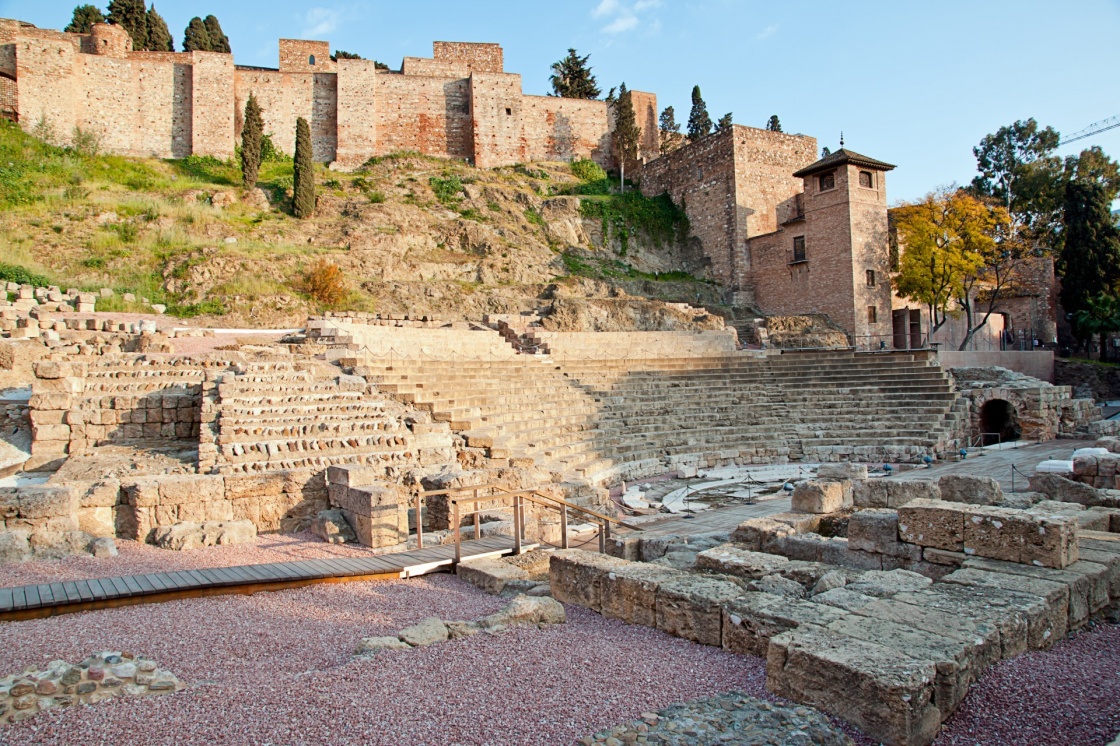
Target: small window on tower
799	249
871	315
311	60
866	180
828	181
870	278
509	112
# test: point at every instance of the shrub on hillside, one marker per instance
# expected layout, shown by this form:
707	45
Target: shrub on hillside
325	283
21	275
586	169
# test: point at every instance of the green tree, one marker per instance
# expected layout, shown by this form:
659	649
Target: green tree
1101	315
159	36
341	55
699	123
132	16
303	193
252	134
669	131
219	42
773	124
1093	164
724	123
84	18
195	38
572	78
1019	170
627	135
826	152
1089	263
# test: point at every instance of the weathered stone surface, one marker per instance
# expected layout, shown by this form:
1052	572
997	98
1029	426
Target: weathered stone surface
732	560
576	576
966	488
525	610
886	694
1042	632
756	532
489	574
778	586
998	533
103	547
629	592
186	536
886	583
689	607
1057	487
818	496
874	530
1087	582
842	471
1052	543
14	546
1020	618
932	523
750	620
891	493
331	526
828	582
426	632
48	502
377	644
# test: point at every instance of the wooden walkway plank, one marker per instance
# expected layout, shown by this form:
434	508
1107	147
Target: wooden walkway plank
85	591
6	599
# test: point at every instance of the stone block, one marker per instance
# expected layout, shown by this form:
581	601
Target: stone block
892	493
1043	629
964	488
801	523
932	523
753	533
629	592
1057	487
690	607
730	559
53	369
254	485
752	619
842	471
354	475
51	432
1088	583
887	583
489	574
141	493
175	489
1052	542
818	496
888	695
576	576
998	533
97	521
873	530
36	502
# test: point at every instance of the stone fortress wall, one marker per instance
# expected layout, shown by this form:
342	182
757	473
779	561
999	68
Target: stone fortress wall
458	104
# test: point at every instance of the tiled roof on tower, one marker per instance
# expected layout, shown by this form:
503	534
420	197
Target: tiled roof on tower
840	157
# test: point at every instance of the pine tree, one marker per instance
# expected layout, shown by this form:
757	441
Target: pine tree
624	143
1089	264
826	152
84	18
303	192
195	38
132	16
699	123
724	123
252	133
669	135
219	42
159	36
773	124
341	55
571	77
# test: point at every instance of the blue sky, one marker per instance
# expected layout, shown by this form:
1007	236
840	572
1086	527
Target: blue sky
915	85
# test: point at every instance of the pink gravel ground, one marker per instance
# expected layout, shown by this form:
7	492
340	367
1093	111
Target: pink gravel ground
277	667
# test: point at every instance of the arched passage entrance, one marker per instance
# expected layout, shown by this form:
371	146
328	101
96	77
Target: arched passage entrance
999	416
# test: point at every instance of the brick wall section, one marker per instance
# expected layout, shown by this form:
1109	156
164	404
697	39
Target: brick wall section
429	115
105	94
164	122
476	57
9	99
213	105
110	41
645	114
296	55
45	71
496	119
566	129
869	250
1032	304
357	96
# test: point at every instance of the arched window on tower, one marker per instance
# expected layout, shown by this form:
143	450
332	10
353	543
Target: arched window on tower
311	60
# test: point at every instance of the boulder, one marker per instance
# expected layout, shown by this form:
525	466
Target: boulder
525	610
103	547
965	488
377	644
427	632
490	574
1065	490
331	526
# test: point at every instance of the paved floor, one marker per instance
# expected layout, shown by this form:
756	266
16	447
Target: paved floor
717	519
997	463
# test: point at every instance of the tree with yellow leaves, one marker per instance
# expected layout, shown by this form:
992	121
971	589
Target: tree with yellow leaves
958	253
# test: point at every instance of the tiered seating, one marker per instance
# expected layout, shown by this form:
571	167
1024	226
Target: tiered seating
283	415
596	419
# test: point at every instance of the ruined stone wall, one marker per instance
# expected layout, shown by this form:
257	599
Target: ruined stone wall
1031	303
212	131
285	97
701	176
428	115
566	129
475	57
496	119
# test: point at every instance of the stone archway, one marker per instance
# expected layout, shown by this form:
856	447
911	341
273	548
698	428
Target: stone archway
999	416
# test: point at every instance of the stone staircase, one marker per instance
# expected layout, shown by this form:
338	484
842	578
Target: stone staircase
595	420
283	415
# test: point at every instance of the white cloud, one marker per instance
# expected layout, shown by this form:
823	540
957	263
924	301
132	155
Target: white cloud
766	32
621	17
319	22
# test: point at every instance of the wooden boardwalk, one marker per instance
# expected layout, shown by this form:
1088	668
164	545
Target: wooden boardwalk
49	599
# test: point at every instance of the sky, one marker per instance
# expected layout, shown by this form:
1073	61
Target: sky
917	85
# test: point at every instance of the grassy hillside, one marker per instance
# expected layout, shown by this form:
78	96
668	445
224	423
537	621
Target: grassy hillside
408	232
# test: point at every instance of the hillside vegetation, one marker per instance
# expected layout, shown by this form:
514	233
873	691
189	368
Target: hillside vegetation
408	232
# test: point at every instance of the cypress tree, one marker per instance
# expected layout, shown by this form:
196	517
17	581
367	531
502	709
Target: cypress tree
159	36
219	42
773	124
303	193
132	16
699	123
195	38
626	133
84	18
1090	260
669	131
251	137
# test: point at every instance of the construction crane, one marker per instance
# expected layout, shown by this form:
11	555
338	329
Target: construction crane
1093	129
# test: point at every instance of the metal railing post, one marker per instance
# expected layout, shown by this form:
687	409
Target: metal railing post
517	527
563	527
458	543
419	520
477	517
